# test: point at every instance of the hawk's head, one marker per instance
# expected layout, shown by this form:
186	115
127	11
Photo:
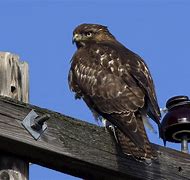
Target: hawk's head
85	33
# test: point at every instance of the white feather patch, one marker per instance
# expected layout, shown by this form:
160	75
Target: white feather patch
103	56
111	62
97	51
112	69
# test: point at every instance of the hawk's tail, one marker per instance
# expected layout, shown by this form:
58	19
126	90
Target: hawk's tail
130	148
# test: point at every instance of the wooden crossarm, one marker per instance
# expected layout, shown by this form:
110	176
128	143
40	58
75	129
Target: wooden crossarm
80	148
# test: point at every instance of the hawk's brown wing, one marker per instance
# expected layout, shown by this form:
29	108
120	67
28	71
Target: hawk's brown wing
139	70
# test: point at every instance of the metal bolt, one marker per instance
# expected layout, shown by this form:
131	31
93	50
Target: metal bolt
184	144
39	121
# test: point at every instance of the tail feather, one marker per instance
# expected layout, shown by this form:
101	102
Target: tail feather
131	148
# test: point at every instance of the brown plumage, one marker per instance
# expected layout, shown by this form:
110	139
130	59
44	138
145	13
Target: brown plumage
116	84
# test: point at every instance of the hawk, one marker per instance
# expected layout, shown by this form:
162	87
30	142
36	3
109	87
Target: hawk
116	84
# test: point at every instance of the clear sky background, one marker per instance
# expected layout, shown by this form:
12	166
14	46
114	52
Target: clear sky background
40	32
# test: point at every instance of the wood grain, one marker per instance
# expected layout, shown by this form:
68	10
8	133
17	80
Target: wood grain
81	149
14	78
14	84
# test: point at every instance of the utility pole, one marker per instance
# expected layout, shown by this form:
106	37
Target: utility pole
14	83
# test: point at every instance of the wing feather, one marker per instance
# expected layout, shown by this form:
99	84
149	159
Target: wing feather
140	72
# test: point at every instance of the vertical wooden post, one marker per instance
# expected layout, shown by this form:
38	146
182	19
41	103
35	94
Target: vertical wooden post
13	77
14	83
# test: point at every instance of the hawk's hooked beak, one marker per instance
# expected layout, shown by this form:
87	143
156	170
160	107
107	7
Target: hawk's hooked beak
76	38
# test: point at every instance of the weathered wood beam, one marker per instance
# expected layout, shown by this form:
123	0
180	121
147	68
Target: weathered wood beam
81	149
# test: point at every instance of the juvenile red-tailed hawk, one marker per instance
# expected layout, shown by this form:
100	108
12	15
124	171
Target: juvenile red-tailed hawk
116	84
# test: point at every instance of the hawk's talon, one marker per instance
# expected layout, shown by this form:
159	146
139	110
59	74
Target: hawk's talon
112	128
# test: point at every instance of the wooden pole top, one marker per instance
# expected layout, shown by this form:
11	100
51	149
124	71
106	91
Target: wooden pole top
14	77
14	83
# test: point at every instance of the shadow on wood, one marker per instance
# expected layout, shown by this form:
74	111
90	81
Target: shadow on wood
81	149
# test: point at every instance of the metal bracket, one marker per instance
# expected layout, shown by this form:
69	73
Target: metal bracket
35	124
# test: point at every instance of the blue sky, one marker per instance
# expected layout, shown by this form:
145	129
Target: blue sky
40	32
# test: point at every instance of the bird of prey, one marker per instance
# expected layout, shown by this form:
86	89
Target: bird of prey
116	84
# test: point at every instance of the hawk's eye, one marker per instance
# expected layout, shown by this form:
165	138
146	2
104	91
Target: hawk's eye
88	34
